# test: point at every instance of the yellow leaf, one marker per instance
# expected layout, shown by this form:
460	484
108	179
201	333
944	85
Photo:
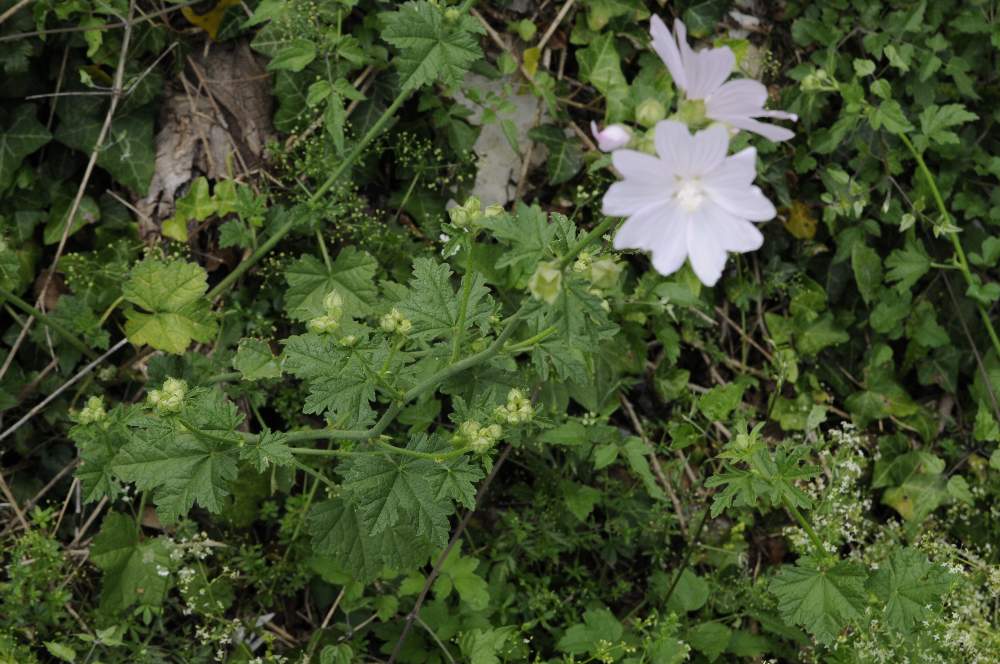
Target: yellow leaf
800	222
175	228
210	20
530	57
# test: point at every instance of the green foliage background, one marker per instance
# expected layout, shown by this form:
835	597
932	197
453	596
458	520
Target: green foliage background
799	464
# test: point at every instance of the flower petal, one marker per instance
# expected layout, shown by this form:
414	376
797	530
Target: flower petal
708	151
704	246
674	144
736	172
747	203
740	97
670	244
666	47
734	232
641	229
707	70
770	132
641	166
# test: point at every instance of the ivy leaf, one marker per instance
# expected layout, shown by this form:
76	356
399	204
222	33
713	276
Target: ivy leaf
867	268
180	465
172	293
936	122
20	137
127	153
387	487
433	44
600	65
433	305
131	567
907	265
338	531
352	274
340	379
255	361
910	585
821	598
565	157
270	449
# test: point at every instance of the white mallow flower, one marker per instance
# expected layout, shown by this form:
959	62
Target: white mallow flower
611	137
702	76
691	201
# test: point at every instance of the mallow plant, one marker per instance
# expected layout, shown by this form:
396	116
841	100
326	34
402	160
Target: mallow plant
403	390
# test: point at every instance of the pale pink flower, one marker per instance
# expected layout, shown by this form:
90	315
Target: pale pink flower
702	76
611	137
691	201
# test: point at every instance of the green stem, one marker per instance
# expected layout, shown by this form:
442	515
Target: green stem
315	473
142	507
338	172
531	341
806	526
322	249
596	232
433	456
48	321
688	551
111	307
961	262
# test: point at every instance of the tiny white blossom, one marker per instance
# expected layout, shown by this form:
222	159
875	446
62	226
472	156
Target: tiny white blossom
611	137
702	76
691	201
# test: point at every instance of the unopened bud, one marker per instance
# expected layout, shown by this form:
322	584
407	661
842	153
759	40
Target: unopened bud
323	324
546	283
611	137
92	412
649	112
604	273
334	304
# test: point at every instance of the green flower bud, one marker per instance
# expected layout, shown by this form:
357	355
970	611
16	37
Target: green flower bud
493	210
466	215
649	112
347	341
334	304
604	273
692	113
92	412
546	283
582	263
323	324
169	398
452	14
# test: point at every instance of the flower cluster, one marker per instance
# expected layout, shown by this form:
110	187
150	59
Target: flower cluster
691	200
333	303
169	398
477	437
394	321
517	410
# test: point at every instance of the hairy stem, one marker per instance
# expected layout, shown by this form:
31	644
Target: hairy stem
806	526
960	260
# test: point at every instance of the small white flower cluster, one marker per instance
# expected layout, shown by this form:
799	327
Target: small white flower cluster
691	200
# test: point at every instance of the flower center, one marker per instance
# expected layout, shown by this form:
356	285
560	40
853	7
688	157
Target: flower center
689	195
